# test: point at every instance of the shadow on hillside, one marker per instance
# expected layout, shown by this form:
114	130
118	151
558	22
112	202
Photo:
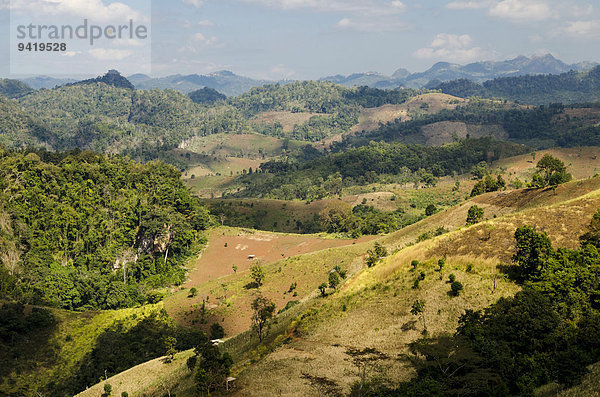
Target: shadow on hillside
25	335
128	343
511	271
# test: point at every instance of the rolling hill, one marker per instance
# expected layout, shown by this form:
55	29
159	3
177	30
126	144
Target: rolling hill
372	309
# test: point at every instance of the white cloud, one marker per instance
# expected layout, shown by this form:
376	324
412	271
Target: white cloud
206	23
109	54
95	10
358	7
468	5
4	4
452	48
126	42
370	25
70	54
583	29
522	10
206	41
200	40
193	3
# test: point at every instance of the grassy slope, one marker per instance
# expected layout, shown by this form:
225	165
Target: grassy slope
378	300
372	309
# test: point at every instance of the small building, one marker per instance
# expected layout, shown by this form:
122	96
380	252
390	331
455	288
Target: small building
216	342
230	383
251	257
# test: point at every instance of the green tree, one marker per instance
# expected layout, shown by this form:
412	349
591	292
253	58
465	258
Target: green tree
193	292
107	390
263	310
592	236
336	217
323	289
428	179
257	275
418	309
216	331
430	210
170	342
213	367
480	170
533	249
334	279
550	172
455	288
475	215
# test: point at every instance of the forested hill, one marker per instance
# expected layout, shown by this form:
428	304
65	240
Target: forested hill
106	115
570	87
375	162
83	230
112	78
316	97
13	88
537	126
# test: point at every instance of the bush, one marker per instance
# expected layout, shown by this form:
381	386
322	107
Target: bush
456	287
414	263
475	215
430	210
452	278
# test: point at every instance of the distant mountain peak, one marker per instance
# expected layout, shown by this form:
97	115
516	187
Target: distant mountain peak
112	78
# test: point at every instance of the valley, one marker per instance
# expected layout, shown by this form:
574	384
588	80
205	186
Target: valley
332	240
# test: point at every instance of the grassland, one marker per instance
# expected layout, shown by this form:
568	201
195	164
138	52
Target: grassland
372	310
288	120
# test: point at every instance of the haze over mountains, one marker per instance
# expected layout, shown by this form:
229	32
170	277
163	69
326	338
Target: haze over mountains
232	84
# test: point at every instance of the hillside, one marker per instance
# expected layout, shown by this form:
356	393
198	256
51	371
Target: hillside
224	81
18	128
374	304
365	314
14	88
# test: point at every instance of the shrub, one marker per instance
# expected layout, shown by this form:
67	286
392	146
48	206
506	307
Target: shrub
475	215
456	287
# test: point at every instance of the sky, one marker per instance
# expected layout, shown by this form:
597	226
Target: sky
299	39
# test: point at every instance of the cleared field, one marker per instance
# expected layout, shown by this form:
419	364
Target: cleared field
226	293
246	145
370	119
288	120
581	162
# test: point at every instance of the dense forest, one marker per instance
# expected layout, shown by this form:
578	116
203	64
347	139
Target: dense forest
377	162
571	87
84	231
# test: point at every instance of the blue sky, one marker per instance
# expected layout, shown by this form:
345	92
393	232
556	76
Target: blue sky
307	39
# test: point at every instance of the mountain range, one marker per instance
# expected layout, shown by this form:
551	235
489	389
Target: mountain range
232	84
